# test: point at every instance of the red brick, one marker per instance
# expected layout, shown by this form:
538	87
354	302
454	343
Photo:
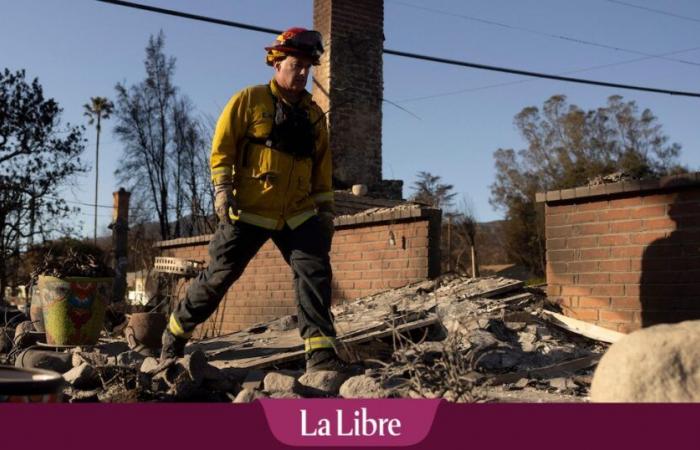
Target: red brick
591	206
593	253
626	227
595	229
613	240
616	316
659	224
559	232
558	219
610	290
582	267
575	290
627	251
626	303
615	265
593	302
556	244
592	278
583	217
560	255
625	202
582	242
584	314
647	238
648	212
613	214
658	199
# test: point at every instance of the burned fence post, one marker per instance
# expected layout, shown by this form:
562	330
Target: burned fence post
120	230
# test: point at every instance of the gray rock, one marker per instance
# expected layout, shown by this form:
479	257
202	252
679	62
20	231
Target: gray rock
285	395
149	365
362	386
560	383
521	383
82	377
279	382
655	364
130	359
96	359
284	323
248	395
323	382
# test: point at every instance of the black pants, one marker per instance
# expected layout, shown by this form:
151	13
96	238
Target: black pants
305	249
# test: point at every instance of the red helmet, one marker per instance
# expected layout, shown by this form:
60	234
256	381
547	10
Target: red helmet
296	41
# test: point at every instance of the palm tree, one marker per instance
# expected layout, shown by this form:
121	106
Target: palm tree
96	110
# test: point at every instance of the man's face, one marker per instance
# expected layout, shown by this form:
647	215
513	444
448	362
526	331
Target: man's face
292	72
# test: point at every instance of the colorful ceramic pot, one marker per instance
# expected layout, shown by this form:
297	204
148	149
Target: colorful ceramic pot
19	385
73	308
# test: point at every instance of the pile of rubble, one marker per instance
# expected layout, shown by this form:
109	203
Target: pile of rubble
466	340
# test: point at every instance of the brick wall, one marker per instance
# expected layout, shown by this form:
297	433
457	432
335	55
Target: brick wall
349	84
625	255
370	253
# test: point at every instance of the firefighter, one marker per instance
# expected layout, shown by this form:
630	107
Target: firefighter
271	170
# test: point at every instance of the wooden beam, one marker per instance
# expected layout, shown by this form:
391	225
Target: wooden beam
582	328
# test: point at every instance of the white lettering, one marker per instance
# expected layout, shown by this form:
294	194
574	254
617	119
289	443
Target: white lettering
360	425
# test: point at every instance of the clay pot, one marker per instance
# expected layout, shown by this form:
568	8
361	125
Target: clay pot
73	308
18	385
145	329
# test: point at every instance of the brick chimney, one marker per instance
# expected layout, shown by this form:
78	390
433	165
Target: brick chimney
349	85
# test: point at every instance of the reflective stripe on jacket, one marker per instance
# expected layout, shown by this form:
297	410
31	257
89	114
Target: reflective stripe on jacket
272	187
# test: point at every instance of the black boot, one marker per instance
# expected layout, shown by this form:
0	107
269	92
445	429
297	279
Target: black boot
325	359
173	346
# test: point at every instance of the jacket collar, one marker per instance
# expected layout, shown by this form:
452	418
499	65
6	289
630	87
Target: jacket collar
305	96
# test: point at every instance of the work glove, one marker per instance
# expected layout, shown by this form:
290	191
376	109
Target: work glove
224	201
326	214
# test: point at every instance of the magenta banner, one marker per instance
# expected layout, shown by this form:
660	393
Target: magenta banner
276	424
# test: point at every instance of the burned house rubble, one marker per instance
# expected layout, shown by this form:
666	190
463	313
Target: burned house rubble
461	339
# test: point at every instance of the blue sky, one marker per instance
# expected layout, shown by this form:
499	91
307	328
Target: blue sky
82	48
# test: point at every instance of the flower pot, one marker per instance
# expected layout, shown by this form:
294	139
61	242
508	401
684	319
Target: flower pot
73	308
19	385
145	329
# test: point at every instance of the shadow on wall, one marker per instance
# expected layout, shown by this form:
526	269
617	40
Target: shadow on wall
670	279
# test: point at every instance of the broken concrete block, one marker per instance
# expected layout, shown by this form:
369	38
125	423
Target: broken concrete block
279	382
130	359
248	395
515	326
496	359
323	382
655	364
362	386
82	377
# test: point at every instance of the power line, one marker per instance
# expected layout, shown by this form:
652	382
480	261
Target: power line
542	33
411	55
455	62
525	80
656	11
